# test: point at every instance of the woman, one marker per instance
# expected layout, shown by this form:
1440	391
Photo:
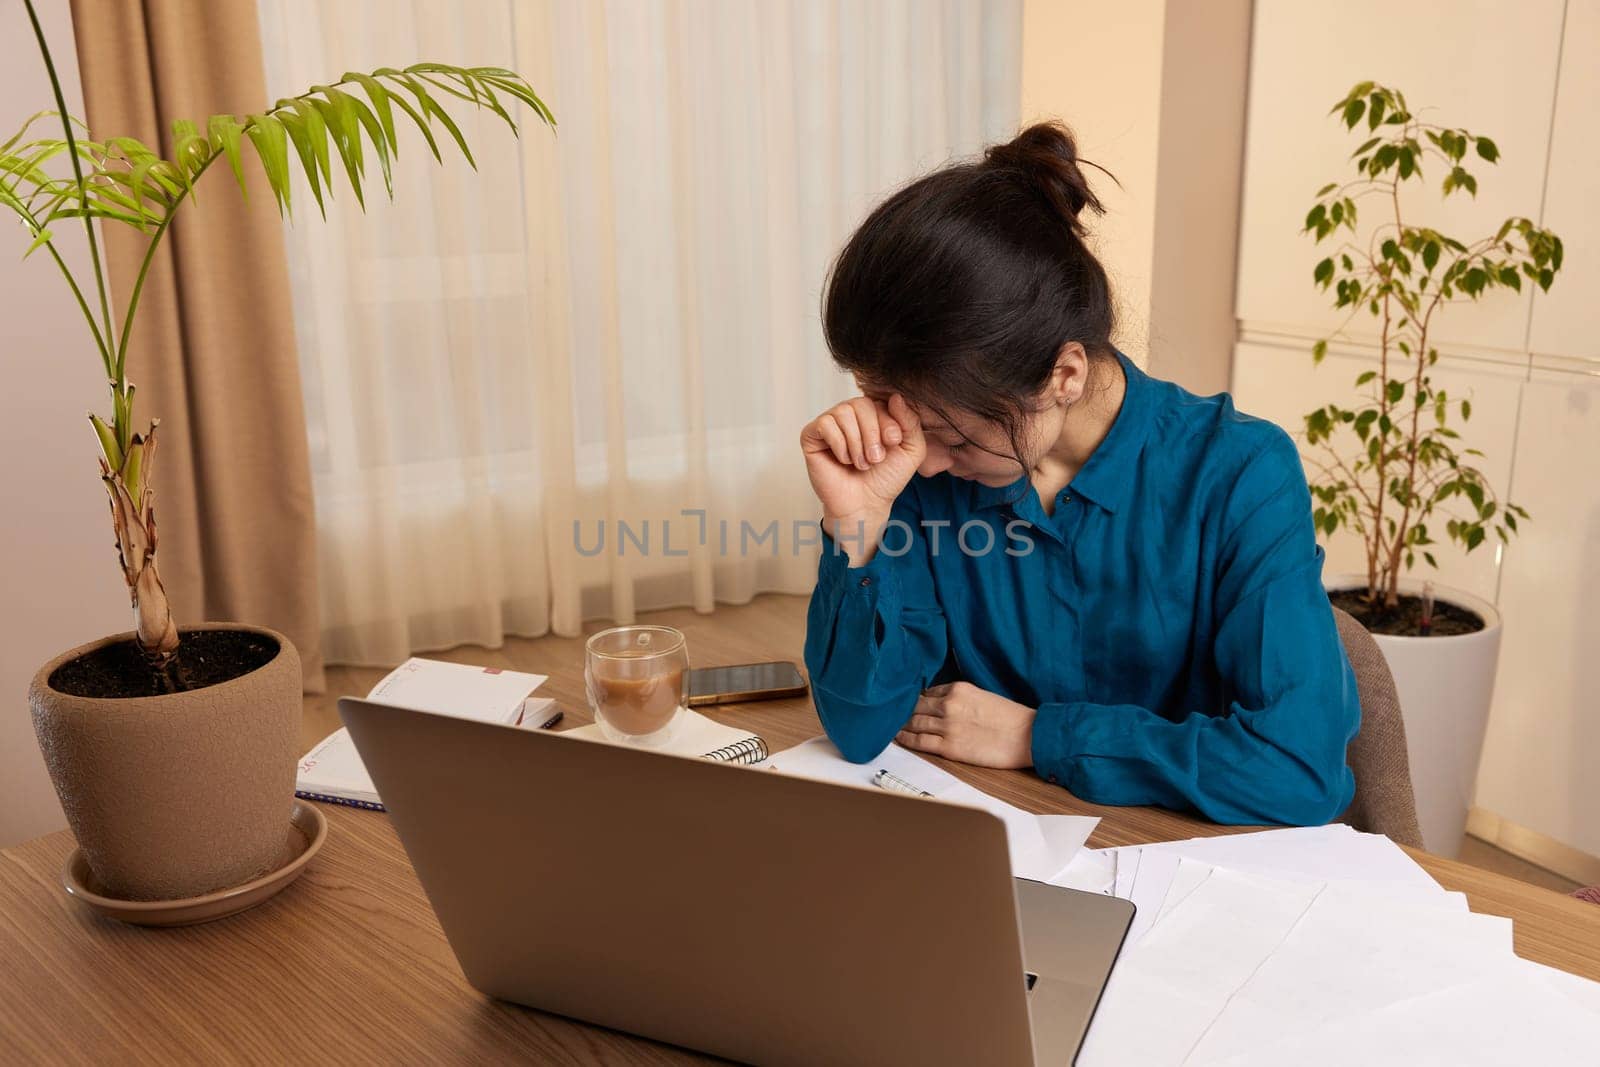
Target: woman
1035	554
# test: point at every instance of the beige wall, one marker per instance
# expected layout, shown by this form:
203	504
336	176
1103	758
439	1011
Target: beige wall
1200	166
1155	92
1531	364
1097	67
61	579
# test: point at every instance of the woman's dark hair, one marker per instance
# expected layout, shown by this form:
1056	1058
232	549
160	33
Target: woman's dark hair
960	290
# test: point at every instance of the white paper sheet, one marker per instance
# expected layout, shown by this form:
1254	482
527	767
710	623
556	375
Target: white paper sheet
1298	854
1308	853
1502	1018
467	691
1354	952
1165	880
1127	862
1041	845
1090	871
1167	990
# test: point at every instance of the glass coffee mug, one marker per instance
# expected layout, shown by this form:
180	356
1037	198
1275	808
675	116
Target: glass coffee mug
637	678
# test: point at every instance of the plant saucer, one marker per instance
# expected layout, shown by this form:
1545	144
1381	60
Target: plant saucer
307	830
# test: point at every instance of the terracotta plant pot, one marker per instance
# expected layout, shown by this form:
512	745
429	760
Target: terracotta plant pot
182	794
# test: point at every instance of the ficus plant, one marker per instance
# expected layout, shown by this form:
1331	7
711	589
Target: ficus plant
1391	465
355	121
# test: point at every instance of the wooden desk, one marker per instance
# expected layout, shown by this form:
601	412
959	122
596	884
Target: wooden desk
349	963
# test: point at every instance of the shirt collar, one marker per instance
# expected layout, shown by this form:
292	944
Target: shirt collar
1107	478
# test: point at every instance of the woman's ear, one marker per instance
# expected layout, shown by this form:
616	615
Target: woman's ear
1070	376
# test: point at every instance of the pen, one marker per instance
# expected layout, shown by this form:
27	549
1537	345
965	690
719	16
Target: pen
894	783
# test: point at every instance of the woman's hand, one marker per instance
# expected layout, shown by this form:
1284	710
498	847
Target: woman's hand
859	455
959	721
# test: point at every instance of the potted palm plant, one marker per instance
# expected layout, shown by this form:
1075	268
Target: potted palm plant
173	748
1390	466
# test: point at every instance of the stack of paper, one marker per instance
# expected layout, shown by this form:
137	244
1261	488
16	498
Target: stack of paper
1321	945
1042	846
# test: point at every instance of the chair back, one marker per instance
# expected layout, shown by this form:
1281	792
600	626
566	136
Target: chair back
1384	802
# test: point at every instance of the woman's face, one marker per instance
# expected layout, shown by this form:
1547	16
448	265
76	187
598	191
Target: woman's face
978	450
981	451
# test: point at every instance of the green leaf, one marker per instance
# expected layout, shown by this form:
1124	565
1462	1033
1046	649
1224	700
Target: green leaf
514	84
1366	376
316	130
31	119
1487	150
224	131
139	180
1323	272
271	143
430	108
1430	254
421	123
376	134
345	129
133	466
40	239
1466	410
93	211
301	136
108	442
190	151
1352	112
380	105
1319	351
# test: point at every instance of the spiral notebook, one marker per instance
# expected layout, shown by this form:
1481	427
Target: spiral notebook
698	736
332	772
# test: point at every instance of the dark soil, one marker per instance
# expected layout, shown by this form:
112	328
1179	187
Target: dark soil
1406	620
205	657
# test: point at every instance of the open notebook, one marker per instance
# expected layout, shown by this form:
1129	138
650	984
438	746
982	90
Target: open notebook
333	772
697	736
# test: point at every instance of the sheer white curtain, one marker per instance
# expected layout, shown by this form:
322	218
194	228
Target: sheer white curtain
570	385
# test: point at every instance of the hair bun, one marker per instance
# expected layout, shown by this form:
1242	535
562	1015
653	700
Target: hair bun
1046	155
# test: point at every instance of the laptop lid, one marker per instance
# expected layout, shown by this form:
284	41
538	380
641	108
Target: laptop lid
736	911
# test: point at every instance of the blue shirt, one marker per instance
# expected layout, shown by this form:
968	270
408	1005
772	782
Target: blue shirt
1168	621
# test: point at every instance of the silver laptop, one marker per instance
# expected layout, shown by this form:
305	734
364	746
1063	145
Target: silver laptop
734	910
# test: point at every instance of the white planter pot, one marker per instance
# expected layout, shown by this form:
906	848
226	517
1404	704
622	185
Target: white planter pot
1445	686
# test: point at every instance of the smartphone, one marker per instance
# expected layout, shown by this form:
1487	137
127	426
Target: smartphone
745	681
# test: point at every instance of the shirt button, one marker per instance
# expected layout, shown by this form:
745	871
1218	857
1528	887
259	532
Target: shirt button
1053	780
865	582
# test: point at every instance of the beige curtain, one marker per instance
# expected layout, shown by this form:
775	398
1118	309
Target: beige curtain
213	350
570	384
